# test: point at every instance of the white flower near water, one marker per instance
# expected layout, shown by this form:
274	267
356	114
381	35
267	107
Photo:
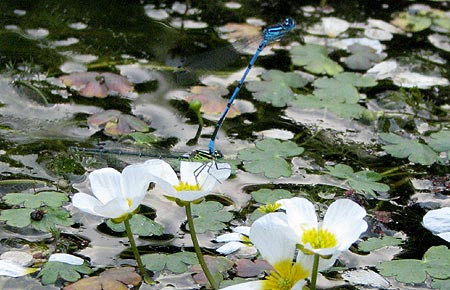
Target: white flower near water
273	238
196	179
341	226
438	222
116	195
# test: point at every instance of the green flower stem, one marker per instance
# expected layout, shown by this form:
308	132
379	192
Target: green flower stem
314	272
198	251
141	267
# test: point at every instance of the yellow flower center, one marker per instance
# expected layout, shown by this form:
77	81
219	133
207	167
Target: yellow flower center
319	239
284	276
129	201
268	208
186	186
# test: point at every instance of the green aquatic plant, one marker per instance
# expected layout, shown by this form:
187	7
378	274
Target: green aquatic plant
269	156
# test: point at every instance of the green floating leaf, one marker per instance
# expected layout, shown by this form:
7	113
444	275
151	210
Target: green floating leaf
268	157
140	225
176	263
54	270
144	138
362	57
364	182
315	59
18	217
48	219
401	148
376	243
440	284
338	95
210	216
267	196
276	87
440	141
435	262
50	198
342	87
411	22
344	110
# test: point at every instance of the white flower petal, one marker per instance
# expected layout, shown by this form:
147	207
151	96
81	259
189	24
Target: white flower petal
187	195
230	247
229	237
301	214
245	230
214	174
135	181
161	170
114	209
438	222
299	285
253	285
86	203
105	184
66	258
344	218
12	269
273	237
191	171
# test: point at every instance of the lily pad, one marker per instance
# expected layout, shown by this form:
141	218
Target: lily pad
364	182
140	225
266	196
50	198
210	216
67	272
116	123
268	157
212	101
176	263
94	84
343	109
406	148
410	22
43	219
435	263
362	57
376	243
111	279
342	87
218	266
440	141
276	87
315	59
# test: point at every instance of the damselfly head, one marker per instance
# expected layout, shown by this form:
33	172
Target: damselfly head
289	23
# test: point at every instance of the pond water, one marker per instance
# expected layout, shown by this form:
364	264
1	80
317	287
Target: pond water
353	103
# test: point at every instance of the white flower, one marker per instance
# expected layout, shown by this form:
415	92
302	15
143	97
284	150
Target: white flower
196	179
116	194
438	222
236	241
66	259
273	237
342	225
13	269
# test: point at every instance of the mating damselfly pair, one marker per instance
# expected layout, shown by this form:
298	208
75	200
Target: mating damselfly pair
269	34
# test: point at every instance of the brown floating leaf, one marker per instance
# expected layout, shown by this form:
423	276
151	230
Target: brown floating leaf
212	101
247	268
94	84
116	123
111	279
